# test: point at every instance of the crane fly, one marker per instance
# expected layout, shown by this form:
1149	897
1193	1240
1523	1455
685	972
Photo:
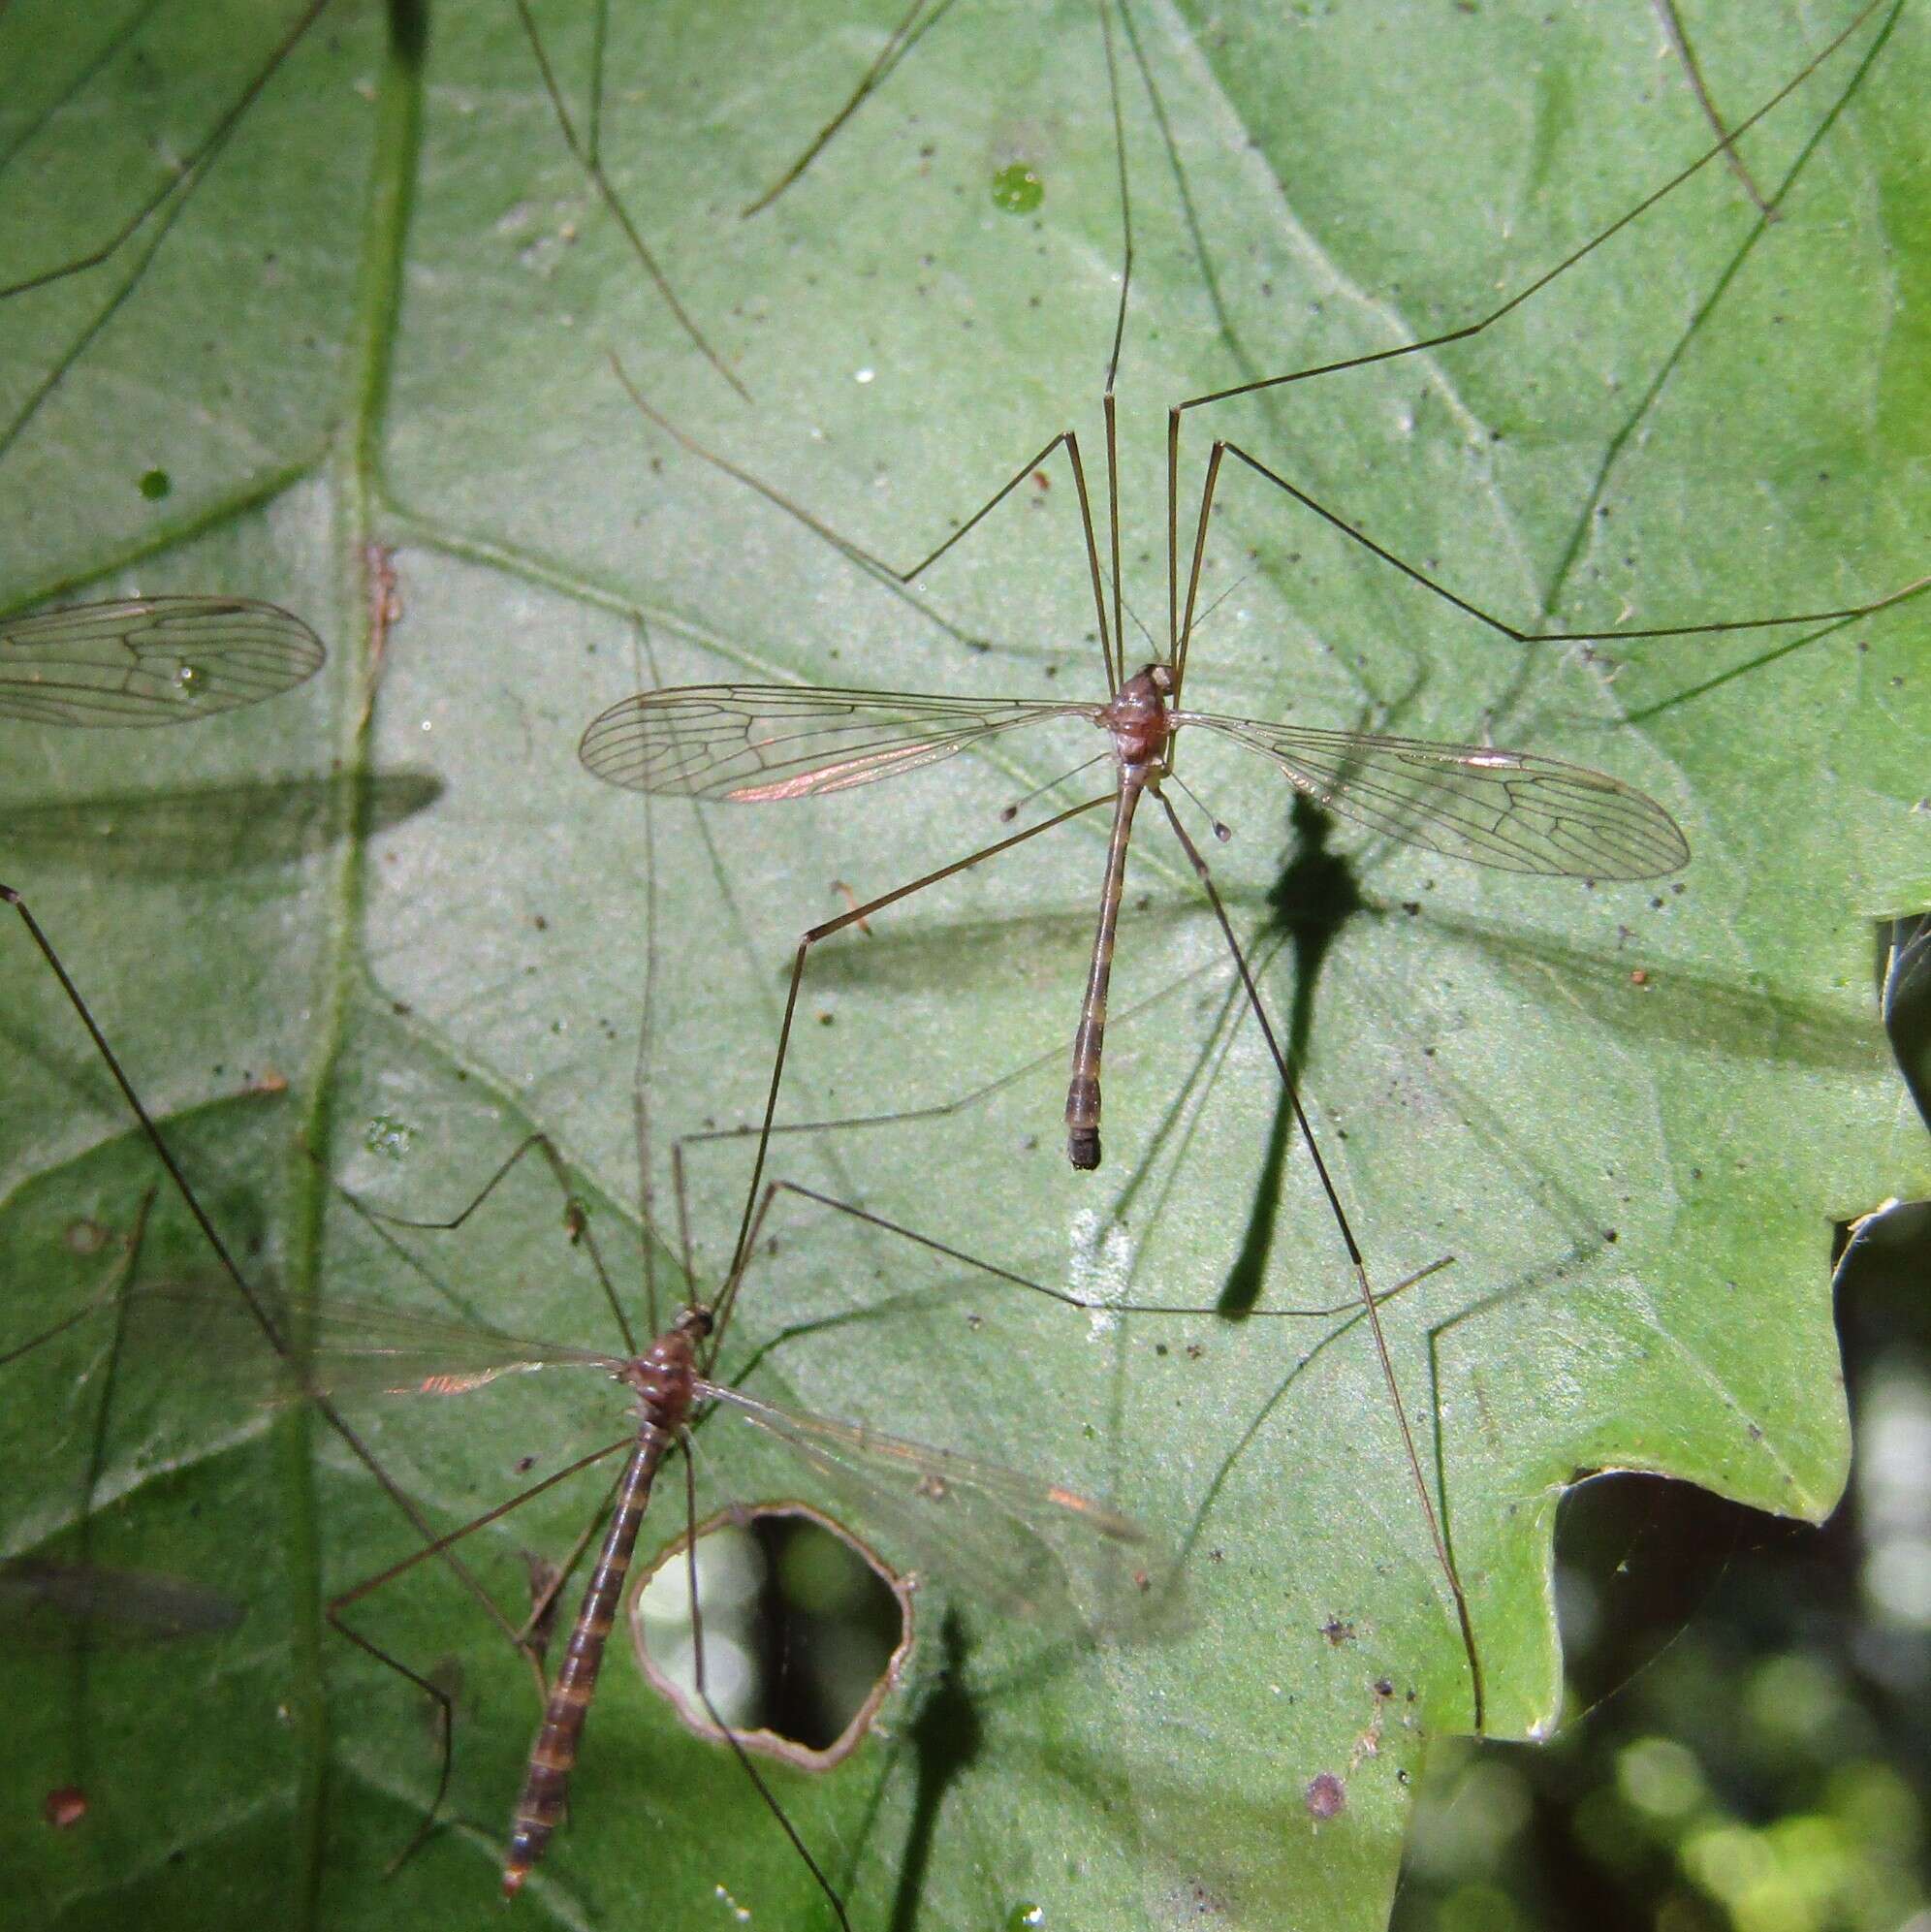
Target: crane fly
1116	581
1036	1549
1033	1548
1512	810
140	662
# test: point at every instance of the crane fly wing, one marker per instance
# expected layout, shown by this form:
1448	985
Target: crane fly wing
150	661
352	1348
358	1349
44	1601
1033	1548
754	743
1510	810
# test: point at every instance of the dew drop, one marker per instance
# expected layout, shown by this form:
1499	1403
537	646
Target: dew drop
1017	188
156	483
1021	1917
389	1137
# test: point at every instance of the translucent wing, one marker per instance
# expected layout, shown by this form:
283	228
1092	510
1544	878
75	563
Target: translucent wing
44	1601
753	743
1034	1549
355	1349
150	661
1504	808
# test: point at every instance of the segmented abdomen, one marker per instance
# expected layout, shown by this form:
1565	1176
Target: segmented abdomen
547	1781
1083	1090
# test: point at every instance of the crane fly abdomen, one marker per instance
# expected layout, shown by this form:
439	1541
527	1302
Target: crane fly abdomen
554	1755
664	1380
1141	727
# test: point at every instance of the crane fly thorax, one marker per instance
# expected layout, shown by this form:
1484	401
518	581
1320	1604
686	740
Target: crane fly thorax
663	1378
1137	718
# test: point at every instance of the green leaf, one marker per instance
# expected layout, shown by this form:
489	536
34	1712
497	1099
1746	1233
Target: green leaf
380	315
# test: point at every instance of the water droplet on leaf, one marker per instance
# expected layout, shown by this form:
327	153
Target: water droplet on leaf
389	1137
1017	188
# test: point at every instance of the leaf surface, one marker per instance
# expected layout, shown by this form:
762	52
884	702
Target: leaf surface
392	915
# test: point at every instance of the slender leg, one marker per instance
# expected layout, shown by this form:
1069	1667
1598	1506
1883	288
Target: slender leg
683	1195
712	1711
575	1220
256	1304
888	573
898	43
546	1584
1370	1302
1107	402
441	1547
1846	613
937	1110
641	1080
906	35
825	931
165	207
1672	25
81	1654
1091	1306
1467	331
1464	331
21	1350
589	159
578	1225
437	1546
188	173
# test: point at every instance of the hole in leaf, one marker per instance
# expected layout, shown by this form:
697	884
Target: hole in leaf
804	1631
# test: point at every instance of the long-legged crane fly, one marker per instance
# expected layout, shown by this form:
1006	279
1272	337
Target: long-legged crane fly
1031	1548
